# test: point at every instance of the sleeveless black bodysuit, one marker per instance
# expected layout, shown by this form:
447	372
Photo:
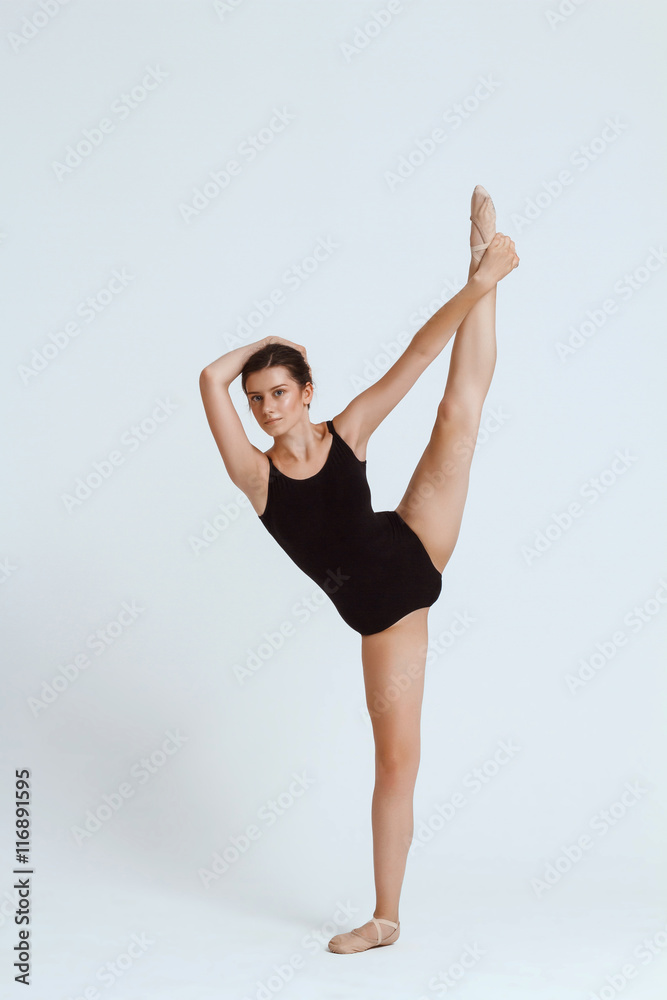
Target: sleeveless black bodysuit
371	564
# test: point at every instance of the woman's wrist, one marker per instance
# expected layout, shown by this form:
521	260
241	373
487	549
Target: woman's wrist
479	285
243	355
229	366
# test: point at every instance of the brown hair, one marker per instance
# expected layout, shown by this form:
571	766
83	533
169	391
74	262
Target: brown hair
273	355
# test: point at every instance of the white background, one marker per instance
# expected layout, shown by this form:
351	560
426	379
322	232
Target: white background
361	98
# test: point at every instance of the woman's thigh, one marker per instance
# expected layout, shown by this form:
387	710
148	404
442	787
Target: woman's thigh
393	663
435	497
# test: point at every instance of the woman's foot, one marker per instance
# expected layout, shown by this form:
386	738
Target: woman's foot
377	932
500	258
483	219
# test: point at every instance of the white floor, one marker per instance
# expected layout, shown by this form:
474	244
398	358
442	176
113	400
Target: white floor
475	939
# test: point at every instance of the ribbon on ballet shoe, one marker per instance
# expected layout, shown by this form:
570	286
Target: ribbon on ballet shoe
478	250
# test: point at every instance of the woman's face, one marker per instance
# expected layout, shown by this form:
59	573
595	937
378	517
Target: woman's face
275	399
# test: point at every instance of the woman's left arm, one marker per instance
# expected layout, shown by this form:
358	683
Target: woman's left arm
367	410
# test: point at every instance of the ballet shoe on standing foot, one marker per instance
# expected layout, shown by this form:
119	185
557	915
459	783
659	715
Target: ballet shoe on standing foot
351	941
483	218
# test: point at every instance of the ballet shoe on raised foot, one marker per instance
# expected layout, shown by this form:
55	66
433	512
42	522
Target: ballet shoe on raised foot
483	218
351	942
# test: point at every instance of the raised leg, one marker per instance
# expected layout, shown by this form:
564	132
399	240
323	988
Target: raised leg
435	497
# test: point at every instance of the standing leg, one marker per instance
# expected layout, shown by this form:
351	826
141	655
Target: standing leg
393	663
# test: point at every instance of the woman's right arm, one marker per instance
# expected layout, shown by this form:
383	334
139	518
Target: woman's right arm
225	369
228	367
242	459
245	463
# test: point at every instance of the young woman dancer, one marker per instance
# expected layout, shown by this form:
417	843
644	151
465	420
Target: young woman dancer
381	569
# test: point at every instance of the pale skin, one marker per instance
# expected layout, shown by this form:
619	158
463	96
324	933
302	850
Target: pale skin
432	505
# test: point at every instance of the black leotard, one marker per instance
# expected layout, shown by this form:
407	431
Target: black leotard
371	564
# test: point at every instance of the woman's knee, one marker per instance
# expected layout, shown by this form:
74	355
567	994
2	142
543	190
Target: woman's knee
396	766
460	416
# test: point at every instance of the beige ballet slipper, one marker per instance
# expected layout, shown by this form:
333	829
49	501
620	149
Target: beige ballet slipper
351	942
483	218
